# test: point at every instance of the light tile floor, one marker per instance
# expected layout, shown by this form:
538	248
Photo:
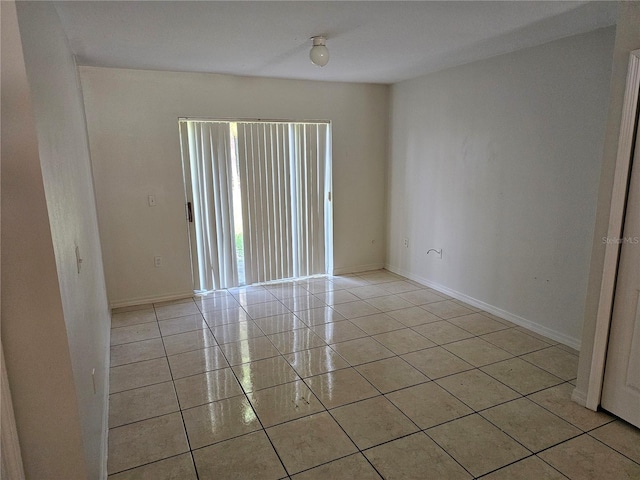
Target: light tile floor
355	377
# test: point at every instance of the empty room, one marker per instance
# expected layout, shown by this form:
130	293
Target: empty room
320	240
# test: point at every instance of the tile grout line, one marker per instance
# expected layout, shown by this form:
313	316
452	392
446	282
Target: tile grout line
533	455
611	447
372	361
354	367
263	429
175	391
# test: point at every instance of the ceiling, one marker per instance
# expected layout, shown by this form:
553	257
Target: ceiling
374	42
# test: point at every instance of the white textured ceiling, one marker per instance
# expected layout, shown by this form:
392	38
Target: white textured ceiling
377	42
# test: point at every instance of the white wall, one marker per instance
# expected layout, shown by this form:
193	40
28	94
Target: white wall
67	180
34	336
627	39
132	117
497	163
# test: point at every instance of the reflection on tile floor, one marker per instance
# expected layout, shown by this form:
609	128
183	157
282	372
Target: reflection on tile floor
357	377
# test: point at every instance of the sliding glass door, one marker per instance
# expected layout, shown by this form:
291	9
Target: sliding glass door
258	199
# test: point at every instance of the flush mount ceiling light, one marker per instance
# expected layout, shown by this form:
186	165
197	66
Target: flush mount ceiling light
319	53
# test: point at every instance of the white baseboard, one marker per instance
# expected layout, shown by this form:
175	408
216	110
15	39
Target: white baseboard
523	322
579	397
152	299
358	268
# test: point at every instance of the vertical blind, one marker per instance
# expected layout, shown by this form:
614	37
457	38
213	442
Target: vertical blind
265	173
311	141
284	180
208	177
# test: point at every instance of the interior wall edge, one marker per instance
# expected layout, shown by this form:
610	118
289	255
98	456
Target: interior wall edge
104	472
512	317
11	463
34	336
66	173
579	396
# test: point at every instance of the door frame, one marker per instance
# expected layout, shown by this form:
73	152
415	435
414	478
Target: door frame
616	223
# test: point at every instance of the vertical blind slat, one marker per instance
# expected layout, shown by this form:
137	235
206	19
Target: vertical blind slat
209	162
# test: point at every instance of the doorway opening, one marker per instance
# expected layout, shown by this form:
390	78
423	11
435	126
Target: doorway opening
258	196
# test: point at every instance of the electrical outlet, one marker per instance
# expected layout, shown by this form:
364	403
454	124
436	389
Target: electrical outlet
405	242
152	200
157	261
